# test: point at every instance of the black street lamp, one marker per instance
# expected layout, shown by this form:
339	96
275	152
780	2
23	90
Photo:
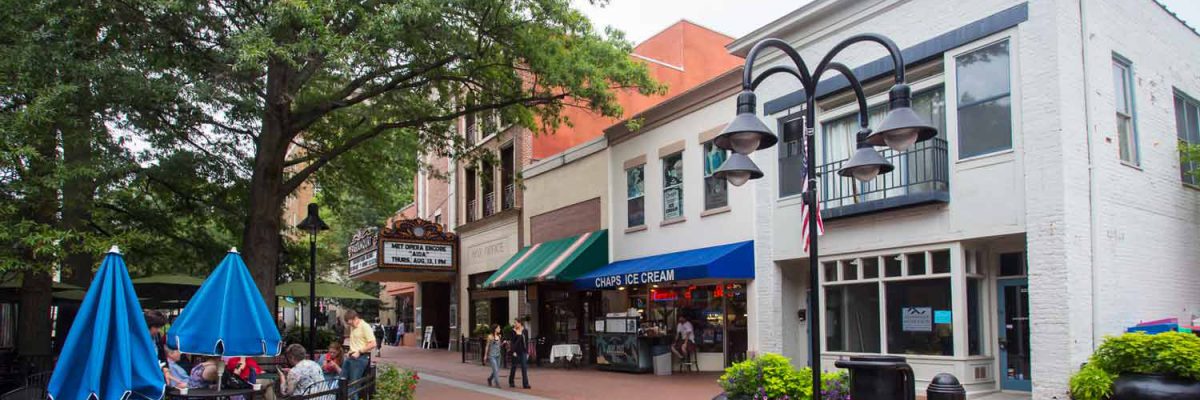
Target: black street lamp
312	224
900	129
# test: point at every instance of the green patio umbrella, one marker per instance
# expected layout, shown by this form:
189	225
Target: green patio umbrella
167	290
16	282
76	295
299	289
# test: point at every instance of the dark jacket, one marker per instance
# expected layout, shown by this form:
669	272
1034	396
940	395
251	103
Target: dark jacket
518	343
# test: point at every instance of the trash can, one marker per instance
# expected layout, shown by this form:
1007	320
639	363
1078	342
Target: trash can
662	360
879	378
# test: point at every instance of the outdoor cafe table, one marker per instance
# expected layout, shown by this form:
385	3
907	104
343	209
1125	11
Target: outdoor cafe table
248	394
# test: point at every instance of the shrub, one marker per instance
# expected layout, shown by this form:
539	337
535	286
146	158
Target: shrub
396	383
1168	353
482	330
772	376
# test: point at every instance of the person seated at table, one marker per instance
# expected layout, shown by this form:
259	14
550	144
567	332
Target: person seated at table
176	375
204	374
303	374
332	364
685	338
244	367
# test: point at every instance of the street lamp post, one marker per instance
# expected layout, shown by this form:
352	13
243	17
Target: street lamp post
900	129
312	224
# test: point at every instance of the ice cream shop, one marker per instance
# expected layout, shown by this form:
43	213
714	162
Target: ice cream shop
685	311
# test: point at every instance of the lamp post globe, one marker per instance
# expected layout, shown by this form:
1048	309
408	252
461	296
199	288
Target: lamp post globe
866	163
746	133
738	169
901	127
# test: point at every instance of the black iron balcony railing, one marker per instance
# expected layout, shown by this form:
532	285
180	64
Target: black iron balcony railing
489	204
471	213
922	175
510	199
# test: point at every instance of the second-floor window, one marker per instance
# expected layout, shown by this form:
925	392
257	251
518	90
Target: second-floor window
471	195
487	182
472	129
1123	100
1187	125
507	178
716	194
672	186
984	98
635	196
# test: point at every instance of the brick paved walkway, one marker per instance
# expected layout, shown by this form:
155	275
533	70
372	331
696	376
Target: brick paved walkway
444	376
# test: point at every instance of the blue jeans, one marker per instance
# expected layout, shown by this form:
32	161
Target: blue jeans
354	368
522	359
494	361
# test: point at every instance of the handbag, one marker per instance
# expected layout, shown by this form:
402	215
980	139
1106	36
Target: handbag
233	381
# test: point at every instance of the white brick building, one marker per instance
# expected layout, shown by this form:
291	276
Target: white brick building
1052	201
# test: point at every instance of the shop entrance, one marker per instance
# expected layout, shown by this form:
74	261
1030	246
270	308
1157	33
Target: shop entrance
1013	334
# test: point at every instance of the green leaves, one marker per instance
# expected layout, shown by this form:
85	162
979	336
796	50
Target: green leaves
1170	353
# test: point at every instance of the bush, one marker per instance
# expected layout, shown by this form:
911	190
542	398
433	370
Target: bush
482	330
1168	353
772	376
396	384
295	335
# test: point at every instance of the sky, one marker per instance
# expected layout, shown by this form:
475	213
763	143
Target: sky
640	19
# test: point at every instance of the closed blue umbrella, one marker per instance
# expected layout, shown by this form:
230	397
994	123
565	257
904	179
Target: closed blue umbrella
227	316
108	353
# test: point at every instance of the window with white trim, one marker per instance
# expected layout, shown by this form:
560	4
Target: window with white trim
984	97
716	190
672	186
1123	100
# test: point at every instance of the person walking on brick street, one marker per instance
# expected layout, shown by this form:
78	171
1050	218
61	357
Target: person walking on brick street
380	333
519	350
362	341
493	354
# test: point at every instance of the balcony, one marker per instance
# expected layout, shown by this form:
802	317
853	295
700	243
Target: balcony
922	176
471	132
489	204
471	206
510	200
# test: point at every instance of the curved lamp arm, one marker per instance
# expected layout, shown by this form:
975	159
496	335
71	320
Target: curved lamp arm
893	50
863	121
775	70
801	70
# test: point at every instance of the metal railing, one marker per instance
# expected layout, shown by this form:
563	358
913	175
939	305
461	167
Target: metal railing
923	169
489	204
510	197
471	215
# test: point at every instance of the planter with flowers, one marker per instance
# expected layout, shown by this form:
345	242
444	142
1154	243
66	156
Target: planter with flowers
772	377
398	384
1165	366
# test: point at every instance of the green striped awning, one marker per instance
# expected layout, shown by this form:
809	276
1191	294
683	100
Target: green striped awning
560	260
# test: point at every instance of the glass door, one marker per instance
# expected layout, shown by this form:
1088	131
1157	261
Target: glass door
1013	334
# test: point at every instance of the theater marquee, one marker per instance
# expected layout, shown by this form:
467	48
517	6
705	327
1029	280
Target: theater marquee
412	250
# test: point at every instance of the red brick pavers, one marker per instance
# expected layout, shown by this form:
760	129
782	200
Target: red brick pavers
444	376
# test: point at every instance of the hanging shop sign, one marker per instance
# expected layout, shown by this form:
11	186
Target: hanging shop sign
413	250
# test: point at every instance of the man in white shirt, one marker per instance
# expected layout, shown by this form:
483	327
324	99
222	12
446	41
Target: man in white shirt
685	338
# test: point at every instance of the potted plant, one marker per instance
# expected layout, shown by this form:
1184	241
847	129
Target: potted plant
1141	366
772	377
399	384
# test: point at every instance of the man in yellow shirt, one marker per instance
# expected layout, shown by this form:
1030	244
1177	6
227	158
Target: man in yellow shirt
362	341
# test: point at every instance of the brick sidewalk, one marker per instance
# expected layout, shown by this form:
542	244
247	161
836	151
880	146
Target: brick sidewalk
467	381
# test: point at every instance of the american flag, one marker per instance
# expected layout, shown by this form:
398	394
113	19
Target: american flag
804	225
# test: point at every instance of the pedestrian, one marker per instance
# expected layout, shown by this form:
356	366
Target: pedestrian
379	335
519	349
400	333
493	353
362	341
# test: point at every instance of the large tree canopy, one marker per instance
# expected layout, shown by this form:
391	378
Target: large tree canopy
336	90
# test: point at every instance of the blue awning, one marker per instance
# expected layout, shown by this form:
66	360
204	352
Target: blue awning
729	261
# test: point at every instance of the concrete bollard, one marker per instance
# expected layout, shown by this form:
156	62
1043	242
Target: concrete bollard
945	387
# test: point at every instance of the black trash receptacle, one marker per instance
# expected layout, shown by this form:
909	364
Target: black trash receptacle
879	378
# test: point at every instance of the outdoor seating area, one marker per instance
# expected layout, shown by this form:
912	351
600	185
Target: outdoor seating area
223	344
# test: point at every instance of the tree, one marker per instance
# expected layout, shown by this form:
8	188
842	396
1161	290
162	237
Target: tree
298	87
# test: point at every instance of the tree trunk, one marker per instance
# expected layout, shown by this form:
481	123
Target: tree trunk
78	195
263	243
33	332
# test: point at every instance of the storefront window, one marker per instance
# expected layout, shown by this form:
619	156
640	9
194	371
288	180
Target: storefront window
852	318
974	314
919	314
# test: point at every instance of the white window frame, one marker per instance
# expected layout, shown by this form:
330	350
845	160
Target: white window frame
682	195
642	196
1126	67
951	80
958	276
704	179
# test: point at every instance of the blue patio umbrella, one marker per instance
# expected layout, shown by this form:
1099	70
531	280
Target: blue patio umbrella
227	316
108	353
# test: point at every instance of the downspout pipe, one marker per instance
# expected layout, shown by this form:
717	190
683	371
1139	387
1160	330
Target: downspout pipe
1092	215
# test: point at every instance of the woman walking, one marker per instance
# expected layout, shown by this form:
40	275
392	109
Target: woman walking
493	354
519	349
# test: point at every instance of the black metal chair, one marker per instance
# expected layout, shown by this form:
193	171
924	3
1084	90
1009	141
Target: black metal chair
35	388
